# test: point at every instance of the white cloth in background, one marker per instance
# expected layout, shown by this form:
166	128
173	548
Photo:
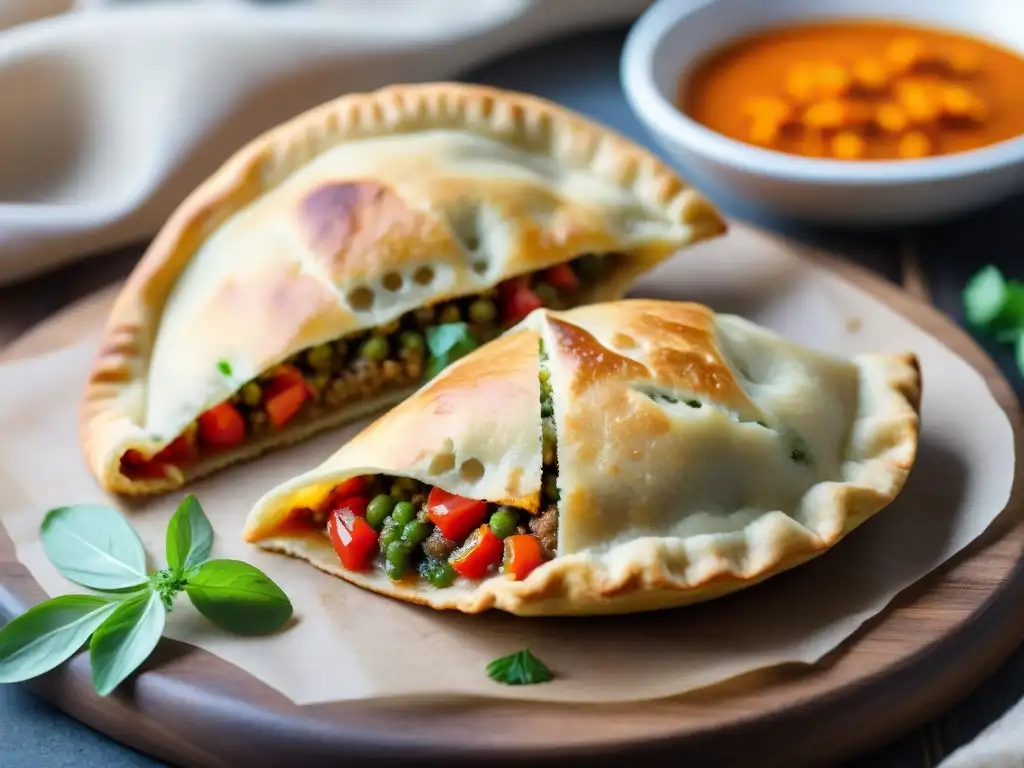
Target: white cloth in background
1001	745
112	111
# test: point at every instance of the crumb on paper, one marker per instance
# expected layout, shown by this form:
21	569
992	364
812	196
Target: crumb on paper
853	324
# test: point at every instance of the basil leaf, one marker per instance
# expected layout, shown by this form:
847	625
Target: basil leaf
447	343
1013	307
189	537
48	634
125	640
984	296
434	366
238	597
94	546
521	668
1009	335
442	338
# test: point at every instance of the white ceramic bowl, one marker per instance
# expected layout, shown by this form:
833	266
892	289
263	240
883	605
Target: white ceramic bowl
668	39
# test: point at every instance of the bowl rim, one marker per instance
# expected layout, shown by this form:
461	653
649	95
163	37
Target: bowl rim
659	112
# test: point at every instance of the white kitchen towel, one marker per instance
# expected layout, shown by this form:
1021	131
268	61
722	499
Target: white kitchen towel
1001	745
111	111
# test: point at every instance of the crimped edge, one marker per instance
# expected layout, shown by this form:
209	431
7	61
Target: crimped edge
116	385
582	584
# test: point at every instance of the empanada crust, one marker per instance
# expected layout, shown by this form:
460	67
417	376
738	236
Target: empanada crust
442	190
662	503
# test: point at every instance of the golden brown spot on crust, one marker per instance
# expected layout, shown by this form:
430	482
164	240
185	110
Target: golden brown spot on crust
357	227
392	281
687	356
471	470
696	372
360	298
424	276
624	341
592	360
514	477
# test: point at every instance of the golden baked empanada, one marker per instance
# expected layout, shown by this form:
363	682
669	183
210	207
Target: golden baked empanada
296	288
613	458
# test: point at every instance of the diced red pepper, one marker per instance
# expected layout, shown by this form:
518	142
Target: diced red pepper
351	487
517	300
222	426
138	468
455	516
284	395
562	277
481	551
353	539
352	505
522	555
181	452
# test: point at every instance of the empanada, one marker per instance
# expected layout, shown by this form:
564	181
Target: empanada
294	289
613	458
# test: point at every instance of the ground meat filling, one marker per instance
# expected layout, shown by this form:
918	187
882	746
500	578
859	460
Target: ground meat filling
396	356
410	529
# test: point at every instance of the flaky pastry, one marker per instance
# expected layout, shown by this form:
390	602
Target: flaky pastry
304	283
614	458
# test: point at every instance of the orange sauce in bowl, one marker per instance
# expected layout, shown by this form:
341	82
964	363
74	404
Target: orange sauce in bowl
859	90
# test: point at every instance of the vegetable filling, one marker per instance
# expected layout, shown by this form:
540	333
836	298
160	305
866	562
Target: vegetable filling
402	354
407	527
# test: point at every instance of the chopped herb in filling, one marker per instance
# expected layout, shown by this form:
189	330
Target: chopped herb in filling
402	354
409	529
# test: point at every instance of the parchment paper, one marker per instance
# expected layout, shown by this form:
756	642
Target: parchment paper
350	644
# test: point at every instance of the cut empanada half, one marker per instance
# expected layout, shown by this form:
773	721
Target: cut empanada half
337	260
619	457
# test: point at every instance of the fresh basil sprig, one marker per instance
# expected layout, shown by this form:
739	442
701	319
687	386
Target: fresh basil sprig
96	547
995	306
447	343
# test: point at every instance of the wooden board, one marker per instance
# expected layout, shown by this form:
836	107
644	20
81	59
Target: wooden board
939	640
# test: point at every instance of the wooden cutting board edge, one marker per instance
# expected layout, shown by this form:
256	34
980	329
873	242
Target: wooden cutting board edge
937	642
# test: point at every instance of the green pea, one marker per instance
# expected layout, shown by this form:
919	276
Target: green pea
252	394
398	492
546	292
320	358
503	522
548	443
438	572
416	532
482	311
451	314
411	341
390	533
404	512
378	509
374	348
319	383
394	572
551	488
397	557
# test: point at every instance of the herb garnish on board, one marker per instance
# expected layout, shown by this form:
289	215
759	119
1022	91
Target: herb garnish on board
95	546
995	306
